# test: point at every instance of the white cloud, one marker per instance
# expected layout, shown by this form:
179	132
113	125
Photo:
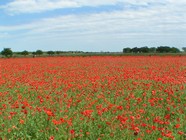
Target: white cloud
144	20
159	24
36	6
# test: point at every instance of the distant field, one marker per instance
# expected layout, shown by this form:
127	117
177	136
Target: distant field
96	98
98	54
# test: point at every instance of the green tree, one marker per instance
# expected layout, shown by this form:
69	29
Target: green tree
175	50
58	52
24	53
7	52
135	50
50	52
184	49
144	49
152	49
167	49
39	52
126	50
163	49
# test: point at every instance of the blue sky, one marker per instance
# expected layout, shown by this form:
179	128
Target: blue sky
86	25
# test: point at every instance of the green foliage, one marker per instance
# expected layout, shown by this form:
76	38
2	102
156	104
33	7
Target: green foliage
50	52
152	49
184	49
7	52
126	50
58	52
39	52
24	53
135	50
167	49
174	50
145	49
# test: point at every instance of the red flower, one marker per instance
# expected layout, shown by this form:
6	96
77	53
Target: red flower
72	131
21	121
51	138
177	126
87	113
153	127
55	122
167	116
180	132
49	113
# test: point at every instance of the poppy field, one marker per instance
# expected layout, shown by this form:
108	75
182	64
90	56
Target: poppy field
93	98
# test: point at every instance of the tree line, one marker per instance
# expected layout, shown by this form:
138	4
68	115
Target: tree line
161	49
7	52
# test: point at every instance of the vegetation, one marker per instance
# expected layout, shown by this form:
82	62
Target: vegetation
24	53
50	52
184	49
161	49
166	49
39	52
7	52
93	98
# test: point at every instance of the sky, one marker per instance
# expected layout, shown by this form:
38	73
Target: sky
91	25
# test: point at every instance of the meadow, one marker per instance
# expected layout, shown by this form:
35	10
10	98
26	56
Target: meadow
93	98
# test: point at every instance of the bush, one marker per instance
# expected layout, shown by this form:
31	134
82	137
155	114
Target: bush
7	52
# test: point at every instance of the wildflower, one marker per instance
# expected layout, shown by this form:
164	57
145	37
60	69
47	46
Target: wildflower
167	116
177	126
21	121
87	133
49	113
55	122
180	132
51	138
87	113
72	131
137	130
120	107
153	127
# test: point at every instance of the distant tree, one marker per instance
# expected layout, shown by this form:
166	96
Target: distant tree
39	52
135	50
24	53
163	49
7	52
50	52
152	49
184	49
126	50
175	50
144	49
167	49
34	54
58	52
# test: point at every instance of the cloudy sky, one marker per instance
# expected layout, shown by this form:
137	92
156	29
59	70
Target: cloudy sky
91	25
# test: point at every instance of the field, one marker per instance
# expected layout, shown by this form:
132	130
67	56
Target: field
95	98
